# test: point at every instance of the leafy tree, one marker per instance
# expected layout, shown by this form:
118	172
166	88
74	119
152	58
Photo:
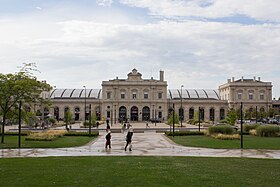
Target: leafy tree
93	119
231	116
68	118
170	119
20	86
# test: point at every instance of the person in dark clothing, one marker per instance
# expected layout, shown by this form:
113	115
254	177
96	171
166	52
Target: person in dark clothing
108	140
129	138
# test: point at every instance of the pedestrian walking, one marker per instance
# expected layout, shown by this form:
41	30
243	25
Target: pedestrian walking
129	138
108	140
147	125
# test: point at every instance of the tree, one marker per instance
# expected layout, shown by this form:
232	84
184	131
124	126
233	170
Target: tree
231	116
20	86
170	119
68	118
93	119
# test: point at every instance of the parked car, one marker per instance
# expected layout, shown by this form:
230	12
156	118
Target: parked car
273	121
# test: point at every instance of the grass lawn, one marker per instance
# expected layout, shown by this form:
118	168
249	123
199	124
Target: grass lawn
139	171
65	141
249	142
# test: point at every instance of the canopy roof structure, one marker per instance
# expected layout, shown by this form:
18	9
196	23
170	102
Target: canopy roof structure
76	93
193	94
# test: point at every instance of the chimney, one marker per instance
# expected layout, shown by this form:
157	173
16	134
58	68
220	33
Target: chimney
232	79
259	78
242	78
254	78
161	75
228	81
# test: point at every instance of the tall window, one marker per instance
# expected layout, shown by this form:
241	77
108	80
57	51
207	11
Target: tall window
134	95
250	96
239	96
146	96
108	95
122	95
160	95
262	96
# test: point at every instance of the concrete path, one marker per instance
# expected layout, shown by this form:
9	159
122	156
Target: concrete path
144	144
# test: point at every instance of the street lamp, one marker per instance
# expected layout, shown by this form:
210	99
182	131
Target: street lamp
85	102
181	109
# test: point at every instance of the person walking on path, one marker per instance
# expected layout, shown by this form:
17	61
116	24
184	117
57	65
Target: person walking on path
147	125
129	138
108	140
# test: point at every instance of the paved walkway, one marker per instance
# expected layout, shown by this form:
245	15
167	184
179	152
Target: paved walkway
144	144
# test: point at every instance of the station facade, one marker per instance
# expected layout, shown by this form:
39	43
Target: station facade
138	99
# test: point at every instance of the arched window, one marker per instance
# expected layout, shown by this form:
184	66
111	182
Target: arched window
191	113
181	114
201	113
212	114
222	114
77	113
56	113
145	113
122	113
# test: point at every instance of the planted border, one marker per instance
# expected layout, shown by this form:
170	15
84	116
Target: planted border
184	133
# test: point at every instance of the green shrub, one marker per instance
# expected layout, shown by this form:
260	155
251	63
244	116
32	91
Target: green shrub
222	129
269	130
184	133
248	127
23	133
70	133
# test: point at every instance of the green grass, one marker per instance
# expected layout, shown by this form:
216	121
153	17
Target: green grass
249	142
139	171
66	141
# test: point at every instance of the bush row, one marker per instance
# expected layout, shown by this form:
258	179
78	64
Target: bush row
73	133
222	129
248	127
184	133
269	130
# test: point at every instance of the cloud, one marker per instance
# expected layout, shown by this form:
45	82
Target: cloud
39	8
105	3
259	9
198	54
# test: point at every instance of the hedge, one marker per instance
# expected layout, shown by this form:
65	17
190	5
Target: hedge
222	129
73	133
248	127
269	130
184	133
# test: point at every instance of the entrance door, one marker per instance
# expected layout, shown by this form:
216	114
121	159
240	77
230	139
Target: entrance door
145	113
134	114
122	113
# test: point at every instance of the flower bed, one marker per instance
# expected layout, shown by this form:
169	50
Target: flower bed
49	135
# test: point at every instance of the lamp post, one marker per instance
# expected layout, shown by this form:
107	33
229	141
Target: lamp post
199	119
181	109
89	130
85	102
115	114
241	125
19	124
173	119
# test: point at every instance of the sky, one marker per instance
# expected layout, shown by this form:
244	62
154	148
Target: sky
197	43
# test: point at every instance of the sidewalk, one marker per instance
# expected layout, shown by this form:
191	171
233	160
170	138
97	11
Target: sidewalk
144	144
